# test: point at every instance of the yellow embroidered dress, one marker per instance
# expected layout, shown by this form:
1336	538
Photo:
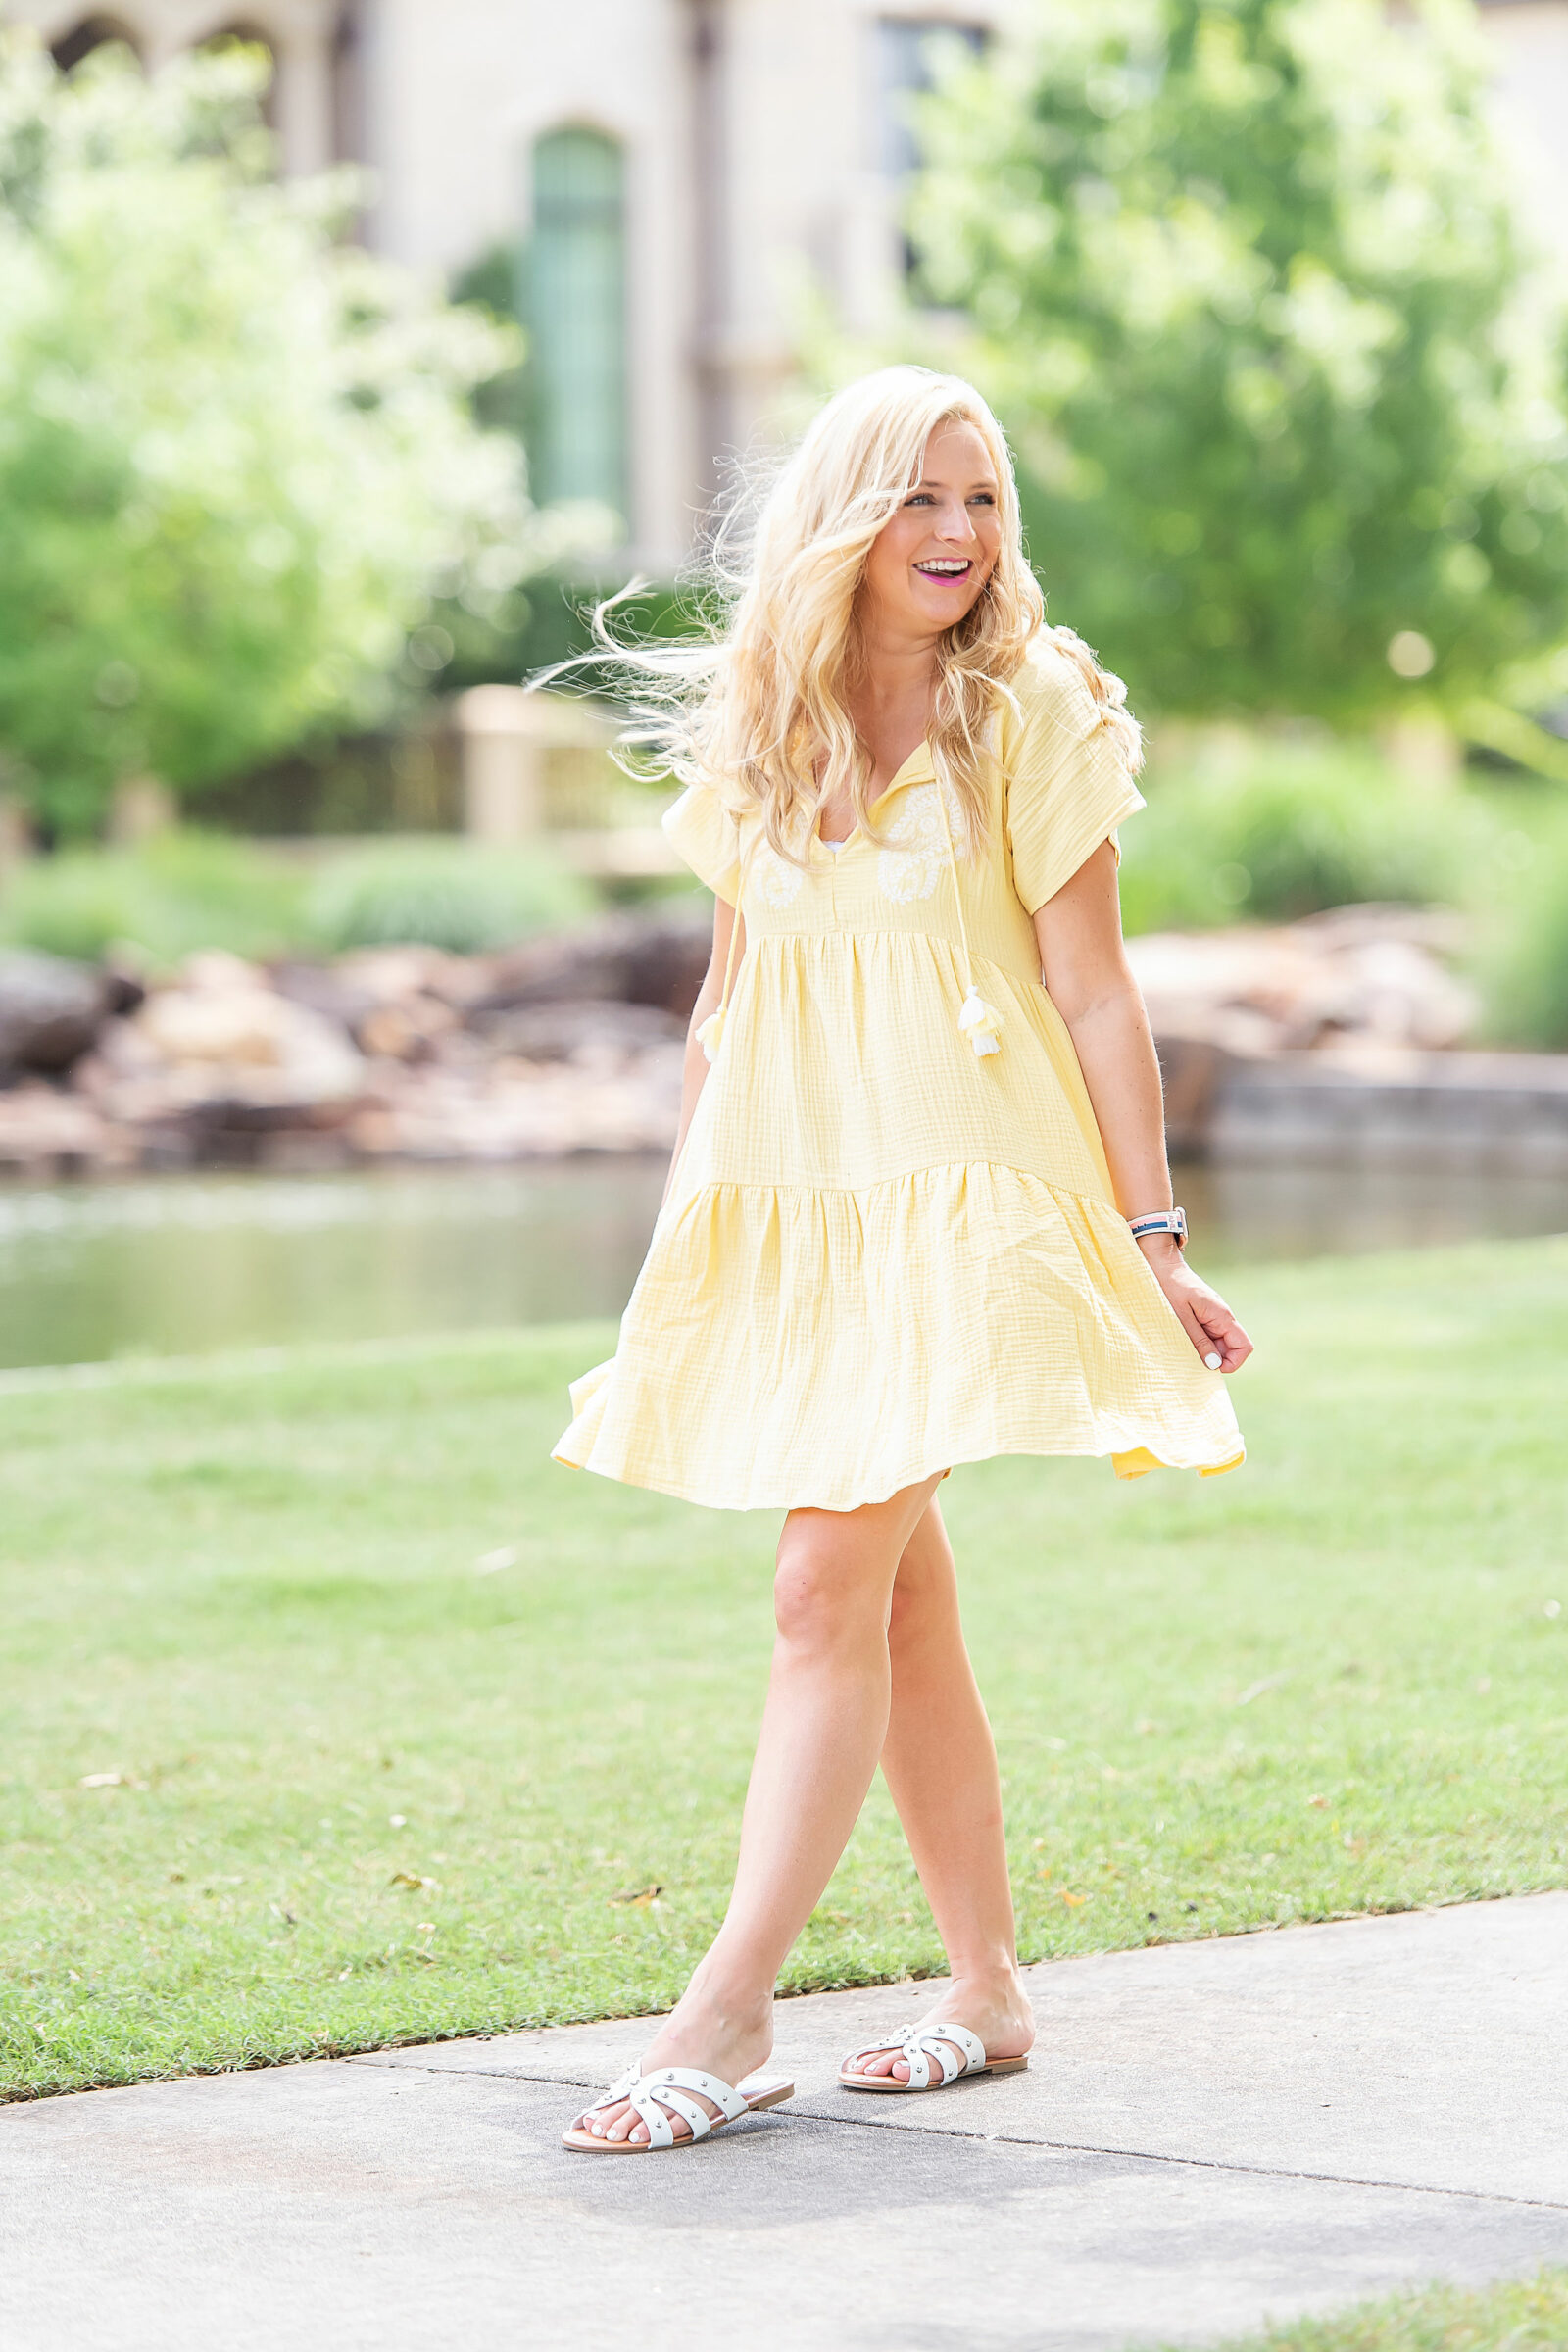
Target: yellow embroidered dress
882	1252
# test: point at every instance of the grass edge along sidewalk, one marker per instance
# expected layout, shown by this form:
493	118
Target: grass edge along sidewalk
341	1717
1517	2315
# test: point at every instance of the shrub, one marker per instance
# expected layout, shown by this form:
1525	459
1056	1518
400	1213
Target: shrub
1287	830
1522	959
173	895
442	892
187	890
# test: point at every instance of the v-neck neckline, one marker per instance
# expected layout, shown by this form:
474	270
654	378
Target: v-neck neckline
899	776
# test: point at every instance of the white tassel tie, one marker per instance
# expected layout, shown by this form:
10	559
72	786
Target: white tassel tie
711	1036
980	1023
710	1033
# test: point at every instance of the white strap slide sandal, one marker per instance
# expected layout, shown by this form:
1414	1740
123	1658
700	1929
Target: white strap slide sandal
954	2048
669	2091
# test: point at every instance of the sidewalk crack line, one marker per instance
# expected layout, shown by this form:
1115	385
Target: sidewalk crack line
1013	2139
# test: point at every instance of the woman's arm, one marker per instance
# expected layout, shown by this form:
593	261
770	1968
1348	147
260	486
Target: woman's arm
708	995
1087	975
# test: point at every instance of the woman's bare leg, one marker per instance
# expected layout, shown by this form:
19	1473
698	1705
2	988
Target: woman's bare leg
940	1762
824	1729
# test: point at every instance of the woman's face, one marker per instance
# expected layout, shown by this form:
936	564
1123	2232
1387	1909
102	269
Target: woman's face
929	564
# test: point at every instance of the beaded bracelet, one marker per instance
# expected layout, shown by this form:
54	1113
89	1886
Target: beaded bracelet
1160	1220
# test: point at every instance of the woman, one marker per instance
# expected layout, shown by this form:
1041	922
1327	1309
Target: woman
919	1211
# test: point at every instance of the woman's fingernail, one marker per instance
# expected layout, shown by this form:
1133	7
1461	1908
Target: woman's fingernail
1213	1362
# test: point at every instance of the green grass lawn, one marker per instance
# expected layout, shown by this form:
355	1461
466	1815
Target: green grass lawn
367	1791
1524	2314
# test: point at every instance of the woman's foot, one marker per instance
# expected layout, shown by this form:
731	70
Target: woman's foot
700	2032
996	2009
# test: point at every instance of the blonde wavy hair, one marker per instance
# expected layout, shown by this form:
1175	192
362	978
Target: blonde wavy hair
758	710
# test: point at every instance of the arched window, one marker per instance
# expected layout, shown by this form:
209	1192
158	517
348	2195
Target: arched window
93	32
251	36
574	306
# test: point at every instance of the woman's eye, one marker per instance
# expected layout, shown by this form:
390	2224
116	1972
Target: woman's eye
921	498
984	498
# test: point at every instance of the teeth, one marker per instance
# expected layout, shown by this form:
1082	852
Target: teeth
945	569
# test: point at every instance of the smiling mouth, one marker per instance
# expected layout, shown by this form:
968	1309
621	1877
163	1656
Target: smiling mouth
945	568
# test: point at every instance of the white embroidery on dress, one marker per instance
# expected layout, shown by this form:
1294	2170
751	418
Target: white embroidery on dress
912	863
778	881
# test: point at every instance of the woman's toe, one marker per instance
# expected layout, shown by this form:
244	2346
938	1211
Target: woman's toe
880	2061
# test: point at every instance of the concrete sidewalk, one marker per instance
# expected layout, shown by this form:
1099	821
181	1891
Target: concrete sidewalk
1209	2133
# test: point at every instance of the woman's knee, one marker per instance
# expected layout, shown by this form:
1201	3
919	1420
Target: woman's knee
823	1597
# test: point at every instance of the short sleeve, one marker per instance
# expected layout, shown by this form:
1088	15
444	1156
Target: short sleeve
706	836
1068	782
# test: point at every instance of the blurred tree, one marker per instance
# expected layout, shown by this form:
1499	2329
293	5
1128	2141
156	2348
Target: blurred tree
491	280
237	459
1251	291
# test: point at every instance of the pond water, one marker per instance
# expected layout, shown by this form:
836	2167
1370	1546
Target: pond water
182	1265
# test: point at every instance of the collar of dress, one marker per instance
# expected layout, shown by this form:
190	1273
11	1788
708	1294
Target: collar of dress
918	768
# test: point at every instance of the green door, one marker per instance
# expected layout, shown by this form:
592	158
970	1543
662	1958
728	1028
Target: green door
575	304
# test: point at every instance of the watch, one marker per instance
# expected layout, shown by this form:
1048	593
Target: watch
1160	1220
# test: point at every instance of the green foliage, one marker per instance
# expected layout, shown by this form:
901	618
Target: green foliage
173	895
528	629
185	890
1273	831
1247	286
366	1793
442	892
491	282
1521	963
1518	2315
236	453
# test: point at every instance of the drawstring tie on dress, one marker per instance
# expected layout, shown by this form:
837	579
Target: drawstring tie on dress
711	1036
978	1021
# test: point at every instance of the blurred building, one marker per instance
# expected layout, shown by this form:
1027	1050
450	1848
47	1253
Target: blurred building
673	175
1531	40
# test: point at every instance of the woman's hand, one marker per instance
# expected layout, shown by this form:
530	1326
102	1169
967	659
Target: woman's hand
1201	1312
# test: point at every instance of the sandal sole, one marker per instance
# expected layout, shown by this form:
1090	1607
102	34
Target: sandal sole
993	2066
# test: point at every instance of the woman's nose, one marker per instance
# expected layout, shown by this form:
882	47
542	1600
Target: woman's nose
955	521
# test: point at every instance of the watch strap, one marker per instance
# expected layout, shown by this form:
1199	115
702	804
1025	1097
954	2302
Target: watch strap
1160	1220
